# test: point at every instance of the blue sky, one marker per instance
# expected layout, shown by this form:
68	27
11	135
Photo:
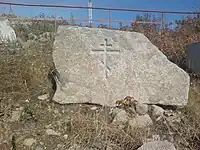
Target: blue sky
170	5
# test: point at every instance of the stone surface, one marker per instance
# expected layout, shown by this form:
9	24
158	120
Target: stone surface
157	145
28	44
65	136
92	70
109	148
140	121
94	108
52	132
38	148
29	142
120	116
168	113
141	109
15	115
157	112
7	33
151	139
43	97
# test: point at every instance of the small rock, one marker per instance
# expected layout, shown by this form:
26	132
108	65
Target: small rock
152	139
28	44
75	147
59	123
52	132
20	108
43	97
109	147
65	136
93	108
32	36
48	126
157	111
97	144
141	109
56	112
115	111
157	145
156	137
38	148
7	33
19	41
29	141
15	115
141	121
121	116
169	113
59	146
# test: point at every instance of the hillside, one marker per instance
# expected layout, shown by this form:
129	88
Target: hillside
30	120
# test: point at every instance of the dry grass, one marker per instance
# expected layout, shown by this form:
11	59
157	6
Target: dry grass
83	126
88	131
185	128
189	126
23	73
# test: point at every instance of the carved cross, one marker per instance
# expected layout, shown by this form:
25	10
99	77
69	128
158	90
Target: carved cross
105	51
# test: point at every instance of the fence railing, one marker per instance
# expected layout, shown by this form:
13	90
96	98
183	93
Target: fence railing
110	21
101	8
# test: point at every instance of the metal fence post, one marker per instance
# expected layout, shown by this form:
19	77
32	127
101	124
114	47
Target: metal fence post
109	18
162	22
55	24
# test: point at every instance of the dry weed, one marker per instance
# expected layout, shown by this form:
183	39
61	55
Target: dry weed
88	131
23	74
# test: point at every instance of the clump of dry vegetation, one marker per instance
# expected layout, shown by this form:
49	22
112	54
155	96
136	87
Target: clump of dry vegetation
87	131
24	72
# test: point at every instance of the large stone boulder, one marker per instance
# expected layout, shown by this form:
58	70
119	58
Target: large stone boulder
7	33
101	66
